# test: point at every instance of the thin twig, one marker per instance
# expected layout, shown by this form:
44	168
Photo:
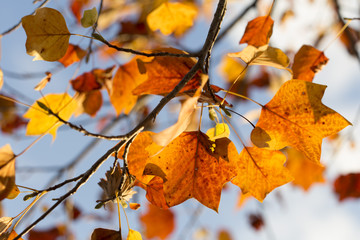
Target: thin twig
93	31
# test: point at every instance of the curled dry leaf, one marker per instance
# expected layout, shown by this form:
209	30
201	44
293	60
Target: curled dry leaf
158	222
41	122
171	18
258	31
296	117
47	34
42	84
7	171
308	61
259	171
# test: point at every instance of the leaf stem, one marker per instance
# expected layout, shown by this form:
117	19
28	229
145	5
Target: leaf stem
244	97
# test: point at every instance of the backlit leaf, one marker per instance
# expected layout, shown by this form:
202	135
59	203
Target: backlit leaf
221	130
93	80
259	171
41	122
73	54
347	186
190	169
164	73
296	117
47	34
133	235
7	171
158	222
308	61
89	18
258	31
5	224
174	18
1	78
304	171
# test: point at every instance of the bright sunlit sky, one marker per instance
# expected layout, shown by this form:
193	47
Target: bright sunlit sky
289	212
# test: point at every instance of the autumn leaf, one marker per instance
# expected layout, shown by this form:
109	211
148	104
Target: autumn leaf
5	224
258	31
12	235
133	235
76	7
158	223
73	54
93	80
155	192
105	234
347	186
256	221
42	84
264	55
308	61
221	130
165	72
190	169
174	18
89	102
47	34
7	171
259	171
231	69
304	171
296	117
1	78
89	18
41	122
130	76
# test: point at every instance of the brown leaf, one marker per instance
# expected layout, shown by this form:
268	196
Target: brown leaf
92	80
308	61
258	31
105	234
158	222
90	102
7	171
49	234
256	221
347	186
47	34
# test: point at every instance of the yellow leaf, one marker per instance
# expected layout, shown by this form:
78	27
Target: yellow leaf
133	235
7	171
13	193
5	223
47	34
174	18
41	122
221	130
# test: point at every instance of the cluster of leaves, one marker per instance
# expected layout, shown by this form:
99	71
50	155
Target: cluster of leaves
176	164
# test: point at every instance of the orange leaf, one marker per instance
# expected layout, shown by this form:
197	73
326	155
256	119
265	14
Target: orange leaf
105	234
90	102
7	171
93	80
12	235
190	169
174	18
158	222
134	206
259	171
258	31
308	61
164	73
155	192
77	7
305	172
73	54
347	186
48	234
296	117
126	79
